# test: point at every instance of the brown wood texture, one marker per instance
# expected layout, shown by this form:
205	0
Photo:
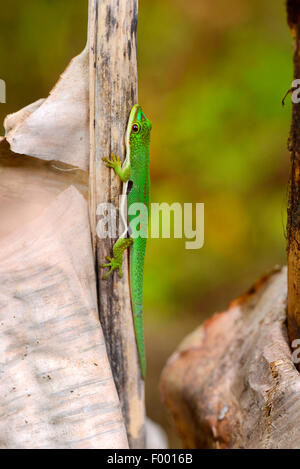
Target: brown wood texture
293	227
113	91
233	382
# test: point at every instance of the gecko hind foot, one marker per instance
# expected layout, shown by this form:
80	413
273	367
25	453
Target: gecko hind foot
117	261
113	264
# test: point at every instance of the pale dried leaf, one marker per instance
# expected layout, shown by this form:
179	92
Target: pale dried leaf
56	387
56	128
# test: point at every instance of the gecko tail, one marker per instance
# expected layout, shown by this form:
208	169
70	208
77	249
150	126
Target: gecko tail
139	335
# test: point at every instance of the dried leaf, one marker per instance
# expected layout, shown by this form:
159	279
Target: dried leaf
56	387
56	128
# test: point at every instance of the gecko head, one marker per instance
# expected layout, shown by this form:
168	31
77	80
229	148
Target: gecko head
139	127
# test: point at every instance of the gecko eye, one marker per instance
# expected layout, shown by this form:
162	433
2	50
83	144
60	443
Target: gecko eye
135	128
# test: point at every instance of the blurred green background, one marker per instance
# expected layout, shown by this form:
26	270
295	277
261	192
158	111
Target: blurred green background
211	78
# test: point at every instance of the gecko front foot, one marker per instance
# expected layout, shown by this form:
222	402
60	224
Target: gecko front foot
113	264
113	162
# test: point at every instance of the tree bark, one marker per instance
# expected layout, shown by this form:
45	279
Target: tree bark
113	91
293	227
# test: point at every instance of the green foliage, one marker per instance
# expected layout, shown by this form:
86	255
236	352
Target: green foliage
214	95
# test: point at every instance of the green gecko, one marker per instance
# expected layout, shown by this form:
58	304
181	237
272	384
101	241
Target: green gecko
135	170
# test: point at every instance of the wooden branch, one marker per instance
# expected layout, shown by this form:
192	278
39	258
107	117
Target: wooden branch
113	91
232	383
293	227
